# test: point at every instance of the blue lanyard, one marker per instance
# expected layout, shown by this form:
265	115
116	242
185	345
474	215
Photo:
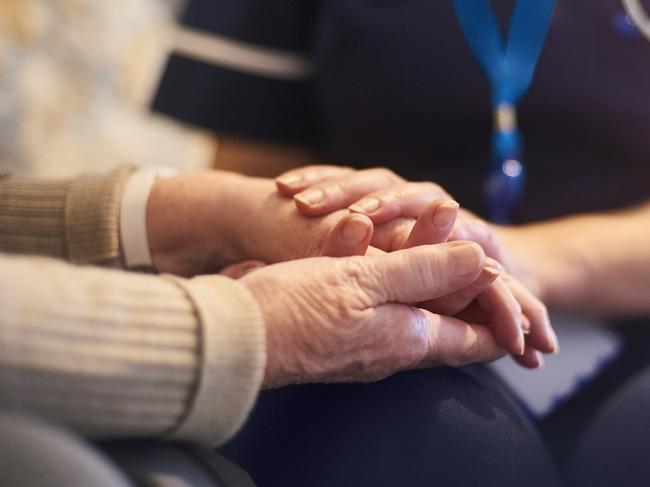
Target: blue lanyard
510	67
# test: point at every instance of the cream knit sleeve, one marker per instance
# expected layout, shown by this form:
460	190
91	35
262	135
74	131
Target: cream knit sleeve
116	354
76	220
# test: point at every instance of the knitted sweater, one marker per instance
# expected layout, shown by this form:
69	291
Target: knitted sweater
111	353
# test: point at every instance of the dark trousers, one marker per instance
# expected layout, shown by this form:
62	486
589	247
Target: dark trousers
615	449
456	427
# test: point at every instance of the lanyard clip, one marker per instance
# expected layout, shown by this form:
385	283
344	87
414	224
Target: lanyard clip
505	117
505	183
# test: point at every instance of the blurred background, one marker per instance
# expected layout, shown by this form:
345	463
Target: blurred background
76	78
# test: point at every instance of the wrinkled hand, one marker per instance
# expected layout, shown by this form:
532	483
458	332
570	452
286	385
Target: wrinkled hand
393	205
352	319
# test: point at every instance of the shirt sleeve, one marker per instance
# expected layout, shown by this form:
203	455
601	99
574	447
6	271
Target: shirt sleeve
243	68
77	220
114	354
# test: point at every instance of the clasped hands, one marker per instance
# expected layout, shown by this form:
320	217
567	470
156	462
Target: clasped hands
369	274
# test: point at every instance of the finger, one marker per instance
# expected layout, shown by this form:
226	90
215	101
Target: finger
497	308
404	199
335	194
296	180
505	316
541	334
240	269
406	337
393	235
531	358
454	303
453	342
434	224
418	274
350	236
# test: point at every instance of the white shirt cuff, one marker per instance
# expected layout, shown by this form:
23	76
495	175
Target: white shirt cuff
133	215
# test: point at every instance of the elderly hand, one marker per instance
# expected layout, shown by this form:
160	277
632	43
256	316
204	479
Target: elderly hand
393	204
352	319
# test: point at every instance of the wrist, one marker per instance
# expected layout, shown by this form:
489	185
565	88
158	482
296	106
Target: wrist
261	222
545	258
189	223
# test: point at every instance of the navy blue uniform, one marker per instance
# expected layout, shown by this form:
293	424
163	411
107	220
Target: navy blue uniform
393	83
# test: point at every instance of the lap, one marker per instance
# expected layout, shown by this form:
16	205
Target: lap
613	449
452	426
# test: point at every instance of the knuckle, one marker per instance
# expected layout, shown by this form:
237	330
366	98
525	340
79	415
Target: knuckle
334	192
386	174
311	167
360	281
345	169
311	173
431	187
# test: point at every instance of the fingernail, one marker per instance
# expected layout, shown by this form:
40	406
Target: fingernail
490	263
540	360
355	230
366	205
487	277
525	325
290	180
465	260
445	214
491	270
556	343
521	344
311	196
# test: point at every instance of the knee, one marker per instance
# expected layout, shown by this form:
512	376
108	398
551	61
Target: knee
473	424
613	449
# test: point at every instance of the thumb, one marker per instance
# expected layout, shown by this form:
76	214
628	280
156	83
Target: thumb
421	273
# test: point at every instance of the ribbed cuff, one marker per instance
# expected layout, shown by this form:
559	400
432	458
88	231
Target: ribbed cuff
32	216
233	357
76	220
93	218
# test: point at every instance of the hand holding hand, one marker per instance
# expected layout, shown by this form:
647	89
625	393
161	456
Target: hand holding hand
199	222
352	319
393	206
